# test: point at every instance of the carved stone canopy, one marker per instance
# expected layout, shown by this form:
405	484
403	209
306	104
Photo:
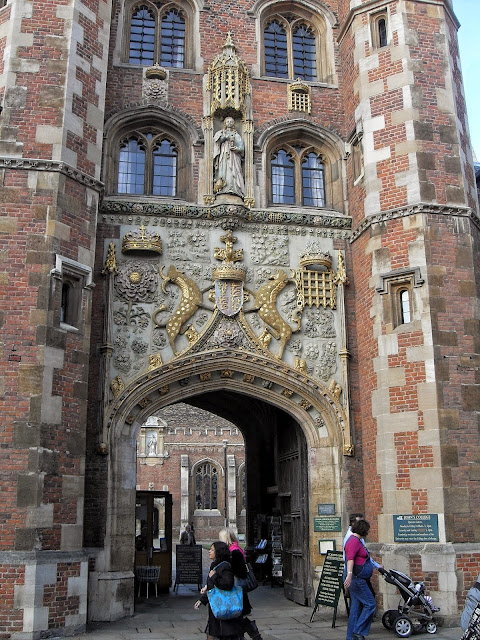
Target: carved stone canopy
228	80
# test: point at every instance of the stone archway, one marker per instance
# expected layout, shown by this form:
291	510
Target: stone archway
314	408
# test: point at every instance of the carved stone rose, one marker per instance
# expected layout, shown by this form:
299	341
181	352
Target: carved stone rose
136	281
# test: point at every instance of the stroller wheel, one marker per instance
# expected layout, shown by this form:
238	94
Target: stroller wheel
388	619
403	627
431	627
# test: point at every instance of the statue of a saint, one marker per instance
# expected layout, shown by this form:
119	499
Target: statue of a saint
152	445
228	152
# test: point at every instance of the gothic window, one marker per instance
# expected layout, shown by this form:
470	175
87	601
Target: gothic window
276	56
304	53
313	181
283	178
147	164
290	49
297	177
142	36
379	29
160	34
206	486
173	39
404	305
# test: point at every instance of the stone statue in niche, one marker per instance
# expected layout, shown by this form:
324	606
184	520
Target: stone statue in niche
152	444
228	152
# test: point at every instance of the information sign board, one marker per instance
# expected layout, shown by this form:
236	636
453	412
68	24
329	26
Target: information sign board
327	523
188	564
421	527
327	509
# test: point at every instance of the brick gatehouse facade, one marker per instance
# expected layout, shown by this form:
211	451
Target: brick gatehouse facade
263	209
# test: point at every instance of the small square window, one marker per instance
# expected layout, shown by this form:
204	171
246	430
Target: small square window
73	278
398	288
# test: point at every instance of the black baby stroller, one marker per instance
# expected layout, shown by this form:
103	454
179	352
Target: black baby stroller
414	613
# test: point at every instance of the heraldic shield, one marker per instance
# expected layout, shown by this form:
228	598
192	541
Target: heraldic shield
229	296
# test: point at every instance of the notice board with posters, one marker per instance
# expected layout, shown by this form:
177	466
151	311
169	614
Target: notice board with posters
188	565
331	583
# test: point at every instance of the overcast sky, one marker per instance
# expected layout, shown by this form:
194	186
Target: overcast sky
468	14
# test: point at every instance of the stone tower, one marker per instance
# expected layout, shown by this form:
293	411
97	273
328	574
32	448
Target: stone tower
266	209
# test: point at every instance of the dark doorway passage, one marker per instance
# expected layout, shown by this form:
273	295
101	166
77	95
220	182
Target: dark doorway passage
277	480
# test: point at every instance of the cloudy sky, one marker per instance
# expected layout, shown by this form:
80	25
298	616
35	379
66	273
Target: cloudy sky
468	13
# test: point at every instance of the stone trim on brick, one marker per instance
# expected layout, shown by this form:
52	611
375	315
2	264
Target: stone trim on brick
384	216
39	164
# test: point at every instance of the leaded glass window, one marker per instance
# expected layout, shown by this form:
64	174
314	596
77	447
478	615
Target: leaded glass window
131	167
206	486
304	54
283	178
382	32
290	49
142	37
276	57
164	169
404	306
313	181
159	36
147	164
298	176
173	40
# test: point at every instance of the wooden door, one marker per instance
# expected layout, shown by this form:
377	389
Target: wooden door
292	493
153	534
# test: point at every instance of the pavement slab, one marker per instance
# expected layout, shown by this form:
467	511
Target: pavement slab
173	617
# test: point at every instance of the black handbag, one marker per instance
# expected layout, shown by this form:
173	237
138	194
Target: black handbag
250	581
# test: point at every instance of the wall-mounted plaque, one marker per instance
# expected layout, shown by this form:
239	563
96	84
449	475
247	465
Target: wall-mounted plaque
422	527
326	509
327	523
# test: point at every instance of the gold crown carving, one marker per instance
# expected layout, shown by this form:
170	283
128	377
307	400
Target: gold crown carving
298	85
156	72
321	258
141	240
229	271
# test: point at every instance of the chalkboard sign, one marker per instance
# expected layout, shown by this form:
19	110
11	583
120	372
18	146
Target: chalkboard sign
188	565
331	583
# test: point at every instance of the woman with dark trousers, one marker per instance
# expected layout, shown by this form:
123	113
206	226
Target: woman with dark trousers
359	572
221	576
239	566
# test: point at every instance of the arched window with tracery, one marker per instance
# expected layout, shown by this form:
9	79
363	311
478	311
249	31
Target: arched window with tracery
160	33
297	42
290	49
147	164
297	176
206	486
